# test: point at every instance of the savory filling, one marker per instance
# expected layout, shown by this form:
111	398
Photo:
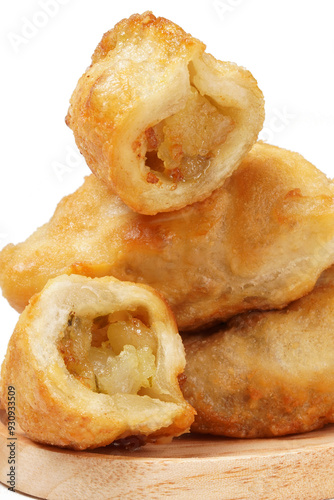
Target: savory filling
111	354
182	146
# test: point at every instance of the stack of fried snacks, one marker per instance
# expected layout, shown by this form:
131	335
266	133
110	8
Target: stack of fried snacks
186	202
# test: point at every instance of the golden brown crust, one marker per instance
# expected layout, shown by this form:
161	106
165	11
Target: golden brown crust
145	71
55	405
265	373
258	242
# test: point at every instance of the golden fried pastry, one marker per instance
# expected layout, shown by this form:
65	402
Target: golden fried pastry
159	120
266	373
93	361
259	242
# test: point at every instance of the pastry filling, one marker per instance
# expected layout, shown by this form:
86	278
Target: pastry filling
182	146
111	354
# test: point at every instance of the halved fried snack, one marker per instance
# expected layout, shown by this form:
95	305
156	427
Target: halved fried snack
159	120
259	242
265	373
96	360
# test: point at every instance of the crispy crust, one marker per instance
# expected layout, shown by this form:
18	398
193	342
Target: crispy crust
259	242
54	407
266	374
141	73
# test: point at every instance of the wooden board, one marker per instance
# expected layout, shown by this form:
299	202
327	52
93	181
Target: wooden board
191	467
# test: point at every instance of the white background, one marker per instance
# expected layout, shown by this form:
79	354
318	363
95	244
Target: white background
287	45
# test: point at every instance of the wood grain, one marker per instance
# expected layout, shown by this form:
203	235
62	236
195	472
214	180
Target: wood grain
191	467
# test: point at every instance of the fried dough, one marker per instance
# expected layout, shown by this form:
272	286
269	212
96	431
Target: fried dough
159	120
265	373
259	242
95	360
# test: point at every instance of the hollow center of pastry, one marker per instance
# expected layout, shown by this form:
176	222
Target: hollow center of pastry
182	146
114	354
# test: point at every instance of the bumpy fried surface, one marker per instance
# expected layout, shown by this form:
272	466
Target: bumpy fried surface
266	373
93	361
259	242
159	120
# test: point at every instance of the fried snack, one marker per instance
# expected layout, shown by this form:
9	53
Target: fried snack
259	242
93	361
266	373
159	120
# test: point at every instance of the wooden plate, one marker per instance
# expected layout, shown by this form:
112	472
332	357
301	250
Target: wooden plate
191	467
